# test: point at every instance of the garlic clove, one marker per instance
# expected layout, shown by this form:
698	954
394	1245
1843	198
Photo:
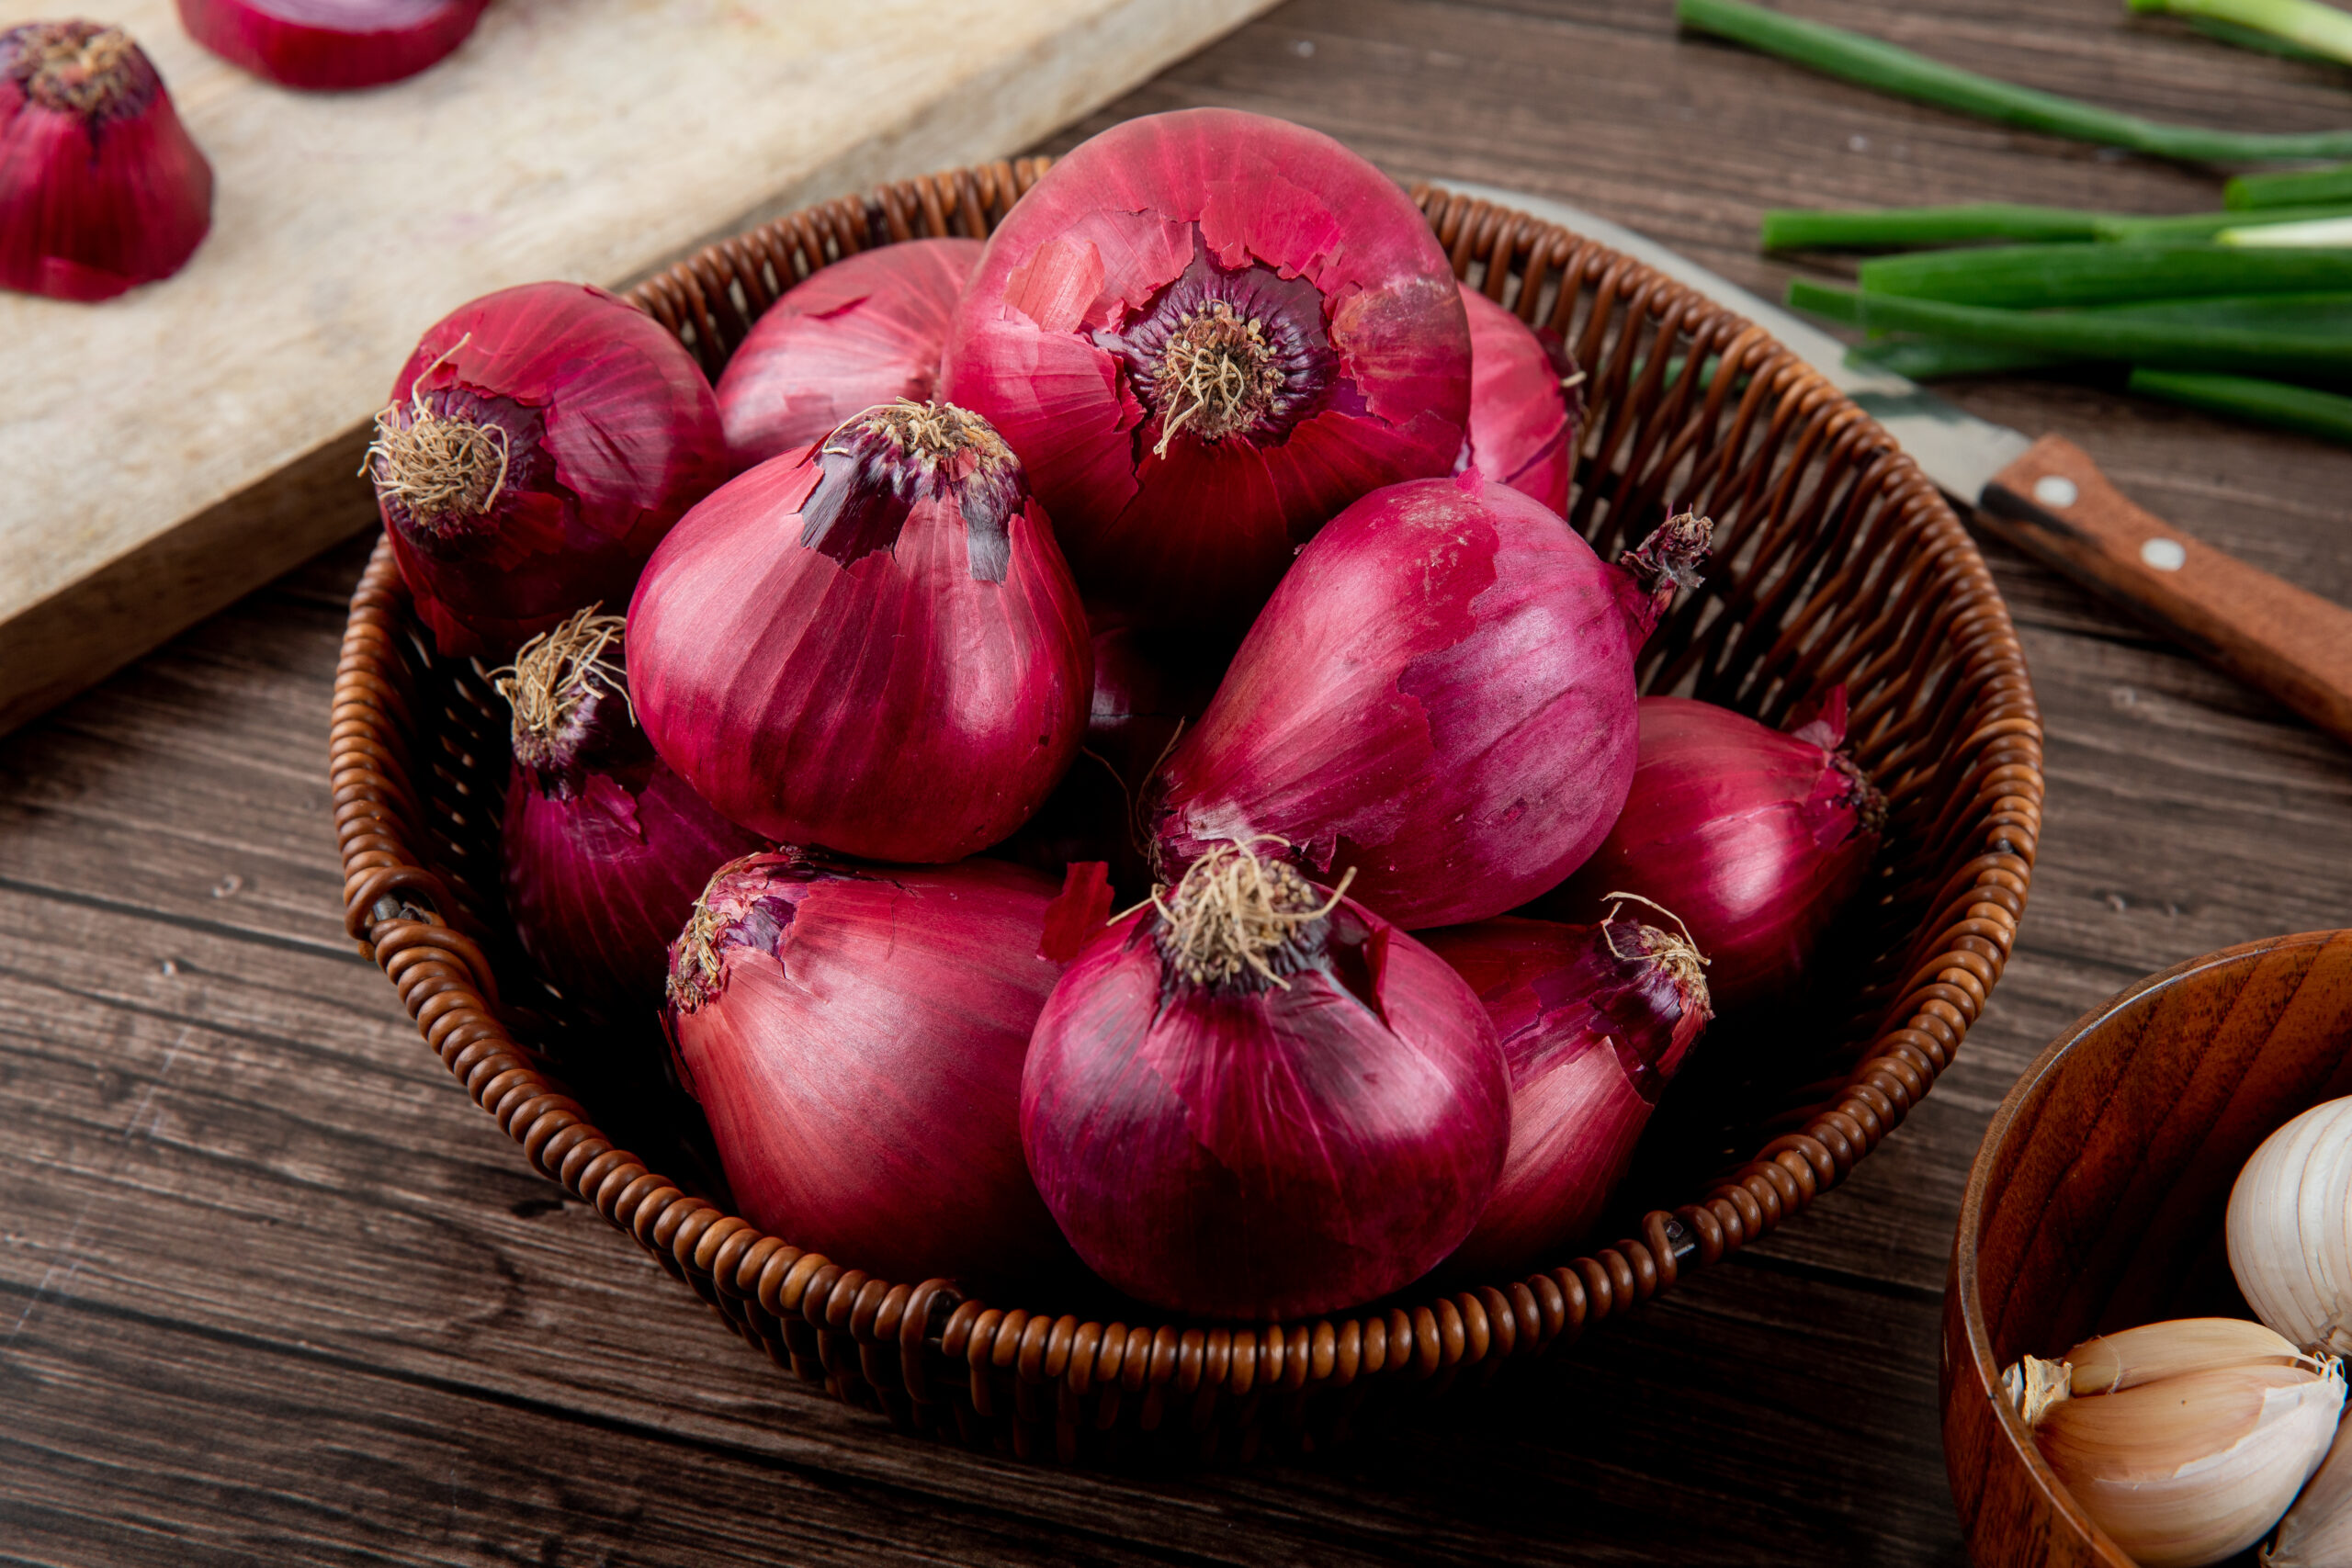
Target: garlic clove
2317	1532
2321	1209
2134	1355
2196	1467
2271	1254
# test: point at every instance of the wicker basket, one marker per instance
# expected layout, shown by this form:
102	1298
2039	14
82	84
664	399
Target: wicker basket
1838	562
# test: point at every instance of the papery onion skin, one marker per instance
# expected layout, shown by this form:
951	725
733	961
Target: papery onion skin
855	1038
603	848
869	329
1439	696
608	433
1526	400
1755	837
101	187
846	647
1063	337
329	44
1594	1021
1246	1150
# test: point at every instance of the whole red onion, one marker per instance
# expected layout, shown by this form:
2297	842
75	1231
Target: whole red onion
867	330
873	645
539	444
1525	401
1205	331
855	1038
1755	837
603	849
1594	1021
330	44
1258	1099
1439	697
100	186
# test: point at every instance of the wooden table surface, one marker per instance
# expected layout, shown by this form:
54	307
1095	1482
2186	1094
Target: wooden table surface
272	1291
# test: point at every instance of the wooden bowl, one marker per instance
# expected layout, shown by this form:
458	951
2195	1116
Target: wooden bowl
1836	561
2096	1202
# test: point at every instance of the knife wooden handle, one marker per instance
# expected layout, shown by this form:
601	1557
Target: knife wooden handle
2056	504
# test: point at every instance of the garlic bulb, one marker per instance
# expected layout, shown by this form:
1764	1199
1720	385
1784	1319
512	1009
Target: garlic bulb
2291	1229
2317	1532
2184	1441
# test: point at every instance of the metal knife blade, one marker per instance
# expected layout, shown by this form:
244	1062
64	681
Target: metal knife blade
2048	497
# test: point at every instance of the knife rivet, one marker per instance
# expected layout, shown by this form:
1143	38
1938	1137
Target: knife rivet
2165	555
2055	489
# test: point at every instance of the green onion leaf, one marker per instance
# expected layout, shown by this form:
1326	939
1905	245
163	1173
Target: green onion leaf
2336	231
2306	190
2327	415
2315	29
1927	359
2021	276
1903	228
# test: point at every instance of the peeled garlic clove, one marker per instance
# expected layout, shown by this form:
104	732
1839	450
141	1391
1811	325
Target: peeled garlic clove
2287	1226
2134	1355
2193	1468
2317	1532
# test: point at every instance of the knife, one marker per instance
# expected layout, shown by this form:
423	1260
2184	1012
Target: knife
2048	497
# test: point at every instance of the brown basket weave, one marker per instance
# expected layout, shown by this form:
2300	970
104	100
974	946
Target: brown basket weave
1836	561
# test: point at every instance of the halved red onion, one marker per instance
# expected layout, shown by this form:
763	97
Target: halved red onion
603	849
1755	837
1594	1021
1205	331
867	330
539	443
1258	1099
101	187
1439	697
855	1038
330	44
871	646
1526	398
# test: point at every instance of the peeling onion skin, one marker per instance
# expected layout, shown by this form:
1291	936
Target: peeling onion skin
1595	1020
331	44
1257	1153
869	329
1061	333
101	187
874	692
1755	837
612	434
1439	696
1524	420
859	1059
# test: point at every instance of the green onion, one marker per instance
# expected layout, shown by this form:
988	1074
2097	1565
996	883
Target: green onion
2300	335
2210	225
1907	228
2327	415
2020	276
2262	43
2335	232
2307	189
1889	69
1927	359
2321	29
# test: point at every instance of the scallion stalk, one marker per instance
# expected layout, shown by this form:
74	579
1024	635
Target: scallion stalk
1908	228
2261	43
2327	415
2025	277
2309	188
1928	358
2209	225
2319	231
2288	335
2320	30
1889	69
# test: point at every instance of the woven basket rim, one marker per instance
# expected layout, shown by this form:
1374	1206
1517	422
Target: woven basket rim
394	904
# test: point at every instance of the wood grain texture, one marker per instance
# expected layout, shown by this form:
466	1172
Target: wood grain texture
529	1388
177	447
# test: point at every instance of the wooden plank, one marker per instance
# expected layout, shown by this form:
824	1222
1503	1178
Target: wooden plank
170	450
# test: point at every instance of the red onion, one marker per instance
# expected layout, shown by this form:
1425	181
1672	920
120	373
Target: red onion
604	849
1440	697
1754	837
539	443
1524	403
1594	1021
1261	1101
100	186
873	645
1206	332
330	44
855	1038
867	330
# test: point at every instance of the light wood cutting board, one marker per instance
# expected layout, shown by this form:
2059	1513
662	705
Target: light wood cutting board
164	453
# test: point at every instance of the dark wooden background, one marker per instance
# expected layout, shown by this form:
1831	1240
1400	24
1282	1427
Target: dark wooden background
271	1290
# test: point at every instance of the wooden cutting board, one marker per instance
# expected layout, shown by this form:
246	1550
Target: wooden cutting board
164	453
